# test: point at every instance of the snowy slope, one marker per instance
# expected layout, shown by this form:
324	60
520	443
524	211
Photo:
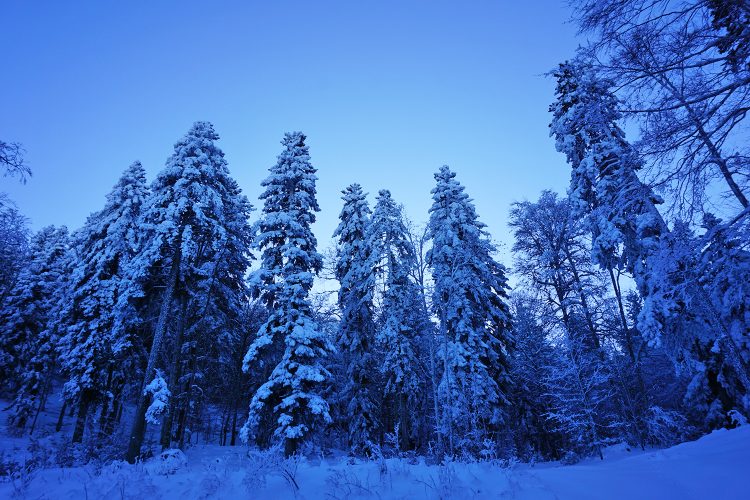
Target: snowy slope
713	467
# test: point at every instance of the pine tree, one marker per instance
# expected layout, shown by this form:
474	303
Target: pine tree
96	361
29	327
402	319
731	18
724	267
624	219
469	299
289	259
14	245
356	336
216	299
193	221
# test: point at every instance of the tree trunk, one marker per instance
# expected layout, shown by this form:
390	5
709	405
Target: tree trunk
139	423
435	401
447	405
582	295
404	427
184	413
42	399
290	447
174	376
83	408
106	410
623	320
61	416
108	421
234	426
224	427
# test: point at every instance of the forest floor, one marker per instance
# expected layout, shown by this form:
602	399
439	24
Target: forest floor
715	466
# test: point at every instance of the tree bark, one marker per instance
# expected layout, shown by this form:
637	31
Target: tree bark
290	447
42	399
174	376
582	295
60	417
139	423
234	426
83	408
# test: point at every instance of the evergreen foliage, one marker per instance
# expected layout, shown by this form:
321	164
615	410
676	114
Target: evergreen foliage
289	259
469	299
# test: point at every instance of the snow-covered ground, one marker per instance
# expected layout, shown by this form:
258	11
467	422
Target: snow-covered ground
714	467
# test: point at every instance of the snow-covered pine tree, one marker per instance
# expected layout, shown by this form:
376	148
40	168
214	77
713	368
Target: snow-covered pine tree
231	385
217	296
605	188
193	221
289	259
14	245
469	299
724	267
356	336
714	388
95	360
29	323
623	216
402	319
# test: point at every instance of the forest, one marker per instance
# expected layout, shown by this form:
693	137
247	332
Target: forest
182	313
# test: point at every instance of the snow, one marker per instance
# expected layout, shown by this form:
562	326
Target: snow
712	467
160	395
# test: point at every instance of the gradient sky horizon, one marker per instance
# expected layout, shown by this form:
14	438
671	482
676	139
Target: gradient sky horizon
386	92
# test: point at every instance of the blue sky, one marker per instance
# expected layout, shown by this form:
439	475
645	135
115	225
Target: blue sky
387	91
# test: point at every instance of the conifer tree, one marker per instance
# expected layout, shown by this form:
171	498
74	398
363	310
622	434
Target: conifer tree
288	263
469	299
29	327
215	299
95	360
356	337
627	228
14	245
401	321
194	218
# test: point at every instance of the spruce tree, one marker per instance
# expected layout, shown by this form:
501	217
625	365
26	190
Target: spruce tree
95	361
469	299
627	228
356	336
193	221
29	323
401	322
14	245
216	296
288	263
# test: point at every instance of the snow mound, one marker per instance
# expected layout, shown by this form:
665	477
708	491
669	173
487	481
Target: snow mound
168	462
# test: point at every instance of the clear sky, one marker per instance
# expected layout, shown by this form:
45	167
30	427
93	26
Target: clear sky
386	91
